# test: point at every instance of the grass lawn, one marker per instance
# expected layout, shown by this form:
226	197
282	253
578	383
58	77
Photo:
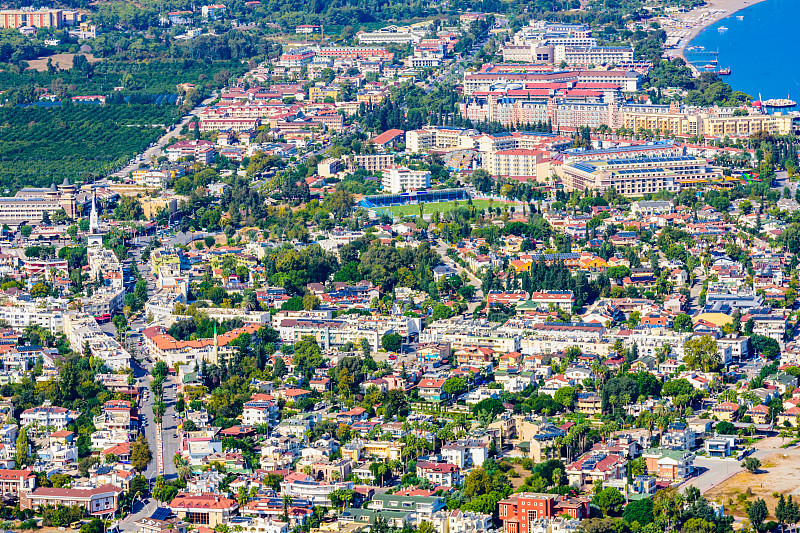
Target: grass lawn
442	207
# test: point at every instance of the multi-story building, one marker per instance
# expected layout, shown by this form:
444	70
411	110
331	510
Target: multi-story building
96	501
31	203
397	179
355	52
665	148
439	474
373	162
420	507
296	58
329	167
592	55
39	18
16	482
201	150
391	34
298	485
518	163
491	76
679	121
465	453
229	123
82	328
151	178
519	511
561	299
637	177
116	415
358	450
596	467
439	138
203	509
671	465
48	416
166	348
259	410
213	12
24	314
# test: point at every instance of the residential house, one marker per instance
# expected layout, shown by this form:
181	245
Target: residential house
671	465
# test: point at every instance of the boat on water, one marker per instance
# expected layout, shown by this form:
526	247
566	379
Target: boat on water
722	29
723	72
779	102
709	66
739	17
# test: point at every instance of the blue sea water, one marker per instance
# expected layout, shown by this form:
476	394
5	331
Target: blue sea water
761	49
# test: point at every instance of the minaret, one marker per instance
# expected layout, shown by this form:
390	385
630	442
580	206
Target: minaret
216	346
94	222
95	236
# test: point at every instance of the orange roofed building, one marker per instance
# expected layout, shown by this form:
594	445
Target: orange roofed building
203	509
166	348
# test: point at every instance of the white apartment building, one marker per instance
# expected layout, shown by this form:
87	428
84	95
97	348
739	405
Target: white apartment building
105	301
596	55
307	488
458	521
440	138
259	410
390	34
26	314
81	328
397	179
48	416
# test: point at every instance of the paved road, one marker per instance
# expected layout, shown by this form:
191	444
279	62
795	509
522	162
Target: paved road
142	373
712	473
693	304
156	150
782	180
441	249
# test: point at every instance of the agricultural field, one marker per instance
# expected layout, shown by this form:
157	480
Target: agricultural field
43	145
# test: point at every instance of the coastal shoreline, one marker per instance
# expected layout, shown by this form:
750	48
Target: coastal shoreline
707	15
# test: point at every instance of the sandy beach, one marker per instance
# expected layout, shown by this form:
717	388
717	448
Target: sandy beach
693	22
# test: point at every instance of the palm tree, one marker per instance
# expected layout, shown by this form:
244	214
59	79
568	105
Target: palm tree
249	301
182	467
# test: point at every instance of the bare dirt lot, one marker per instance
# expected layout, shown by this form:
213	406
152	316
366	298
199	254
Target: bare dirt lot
779	474
517	482
62	61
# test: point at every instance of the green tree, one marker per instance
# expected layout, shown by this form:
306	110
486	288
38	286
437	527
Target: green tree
609	500
23	445
454	386
141	454
307	356
702	352
565	396
682	322
640	511
751	464
757	514
392	342
279	369
310	302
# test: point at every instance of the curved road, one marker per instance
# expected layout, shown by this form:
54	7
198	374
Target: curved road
156	149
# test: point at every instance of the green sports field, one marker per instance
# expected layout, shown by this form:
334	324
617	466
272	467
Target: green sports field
442	207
